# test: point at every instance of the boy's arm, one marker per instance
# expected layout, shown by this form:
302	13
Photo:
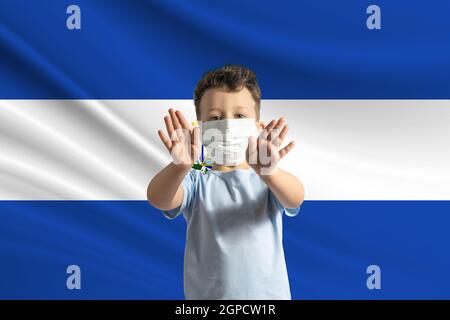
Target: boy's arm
263	155
165	191
287	188
183	143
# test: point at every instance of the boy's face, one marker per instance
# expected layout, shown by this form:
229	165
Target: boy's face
218	104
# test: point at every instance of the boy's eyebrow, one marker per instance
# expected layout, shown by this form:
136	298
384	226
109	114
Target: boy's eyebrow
213	109
217	109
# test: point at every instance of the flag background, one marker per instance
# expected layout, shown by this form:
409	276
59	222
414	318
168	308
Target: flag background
79	112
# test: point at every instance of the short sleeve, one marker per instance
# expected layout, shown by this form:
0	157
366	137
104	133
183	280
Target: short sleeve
290	212
189	186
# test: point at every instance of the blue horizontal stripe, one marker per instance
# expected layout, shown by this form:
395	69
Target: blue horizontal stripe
159	49
127	249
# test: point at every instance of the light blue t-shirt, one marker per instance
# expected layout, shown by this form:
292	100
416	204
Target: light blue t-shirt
234	244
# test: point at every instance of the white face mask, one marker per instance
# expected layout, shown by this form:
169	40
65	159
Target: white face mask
226	140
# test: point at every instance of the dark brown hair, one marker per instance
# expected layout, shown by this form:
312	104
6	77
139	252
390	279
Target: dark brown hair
231	77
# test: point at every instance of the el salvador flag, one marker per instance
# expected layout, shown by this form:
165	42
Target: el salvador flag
80	109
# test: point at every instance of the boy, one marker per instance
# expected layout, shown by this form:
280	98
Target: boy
233	211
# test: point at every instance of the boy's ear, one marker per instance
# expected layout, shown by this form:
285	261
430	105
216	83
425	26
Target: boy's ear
260	124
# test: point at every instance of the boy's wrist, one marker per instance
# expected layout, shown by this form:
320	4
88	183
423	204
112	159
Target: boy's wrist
267	174
182	166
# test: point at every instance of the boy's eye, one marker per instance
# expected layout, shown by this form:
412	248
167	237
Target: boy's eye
214	118
240	115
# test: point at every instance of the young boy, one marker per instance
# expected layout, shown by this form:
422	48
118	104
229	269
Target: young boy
233	211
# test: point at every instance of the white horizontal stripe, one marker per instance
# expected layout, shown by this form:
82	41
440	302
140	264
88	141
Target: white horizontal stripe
110	149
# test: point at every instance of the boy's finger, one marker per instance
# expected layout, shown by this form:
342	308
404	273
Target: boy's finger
169	125
276	129
286	149
184	123
265	132
165	139
173	116
280	123
282	135
173	134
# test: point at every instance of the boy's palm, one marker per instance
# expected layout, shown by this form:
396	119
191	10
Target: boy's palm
184	143
264	153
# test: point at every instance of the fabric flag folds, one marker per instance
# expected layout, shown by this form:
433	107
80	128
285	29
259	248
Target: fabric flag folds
80	109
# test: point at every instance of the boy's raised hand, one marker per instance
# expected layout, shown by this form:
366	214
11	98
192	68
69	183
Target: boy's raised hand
264	152
184	144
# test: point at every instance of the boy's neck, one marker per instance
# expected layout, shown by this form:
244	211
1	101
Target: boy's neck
243	165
